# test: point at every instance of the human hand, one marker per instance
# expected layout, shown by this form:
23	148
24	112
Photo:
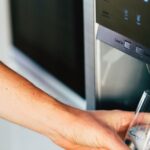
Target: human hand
22	103
92	130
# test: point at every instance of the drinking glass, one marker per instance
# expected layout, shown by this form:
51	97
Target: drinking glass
138	134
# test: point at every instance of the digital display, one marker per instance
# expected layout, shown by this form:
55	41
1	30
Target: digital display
130	18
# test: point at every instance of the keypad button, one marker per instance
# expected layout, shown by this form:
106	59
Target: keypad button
127	45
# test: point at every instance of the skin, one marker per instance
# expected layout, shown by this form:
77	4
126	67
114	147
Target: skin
73	129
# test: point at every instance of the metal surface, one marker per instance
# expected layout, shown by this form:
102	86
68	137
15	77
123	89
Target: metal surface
89	35
114	80
123	43
121	79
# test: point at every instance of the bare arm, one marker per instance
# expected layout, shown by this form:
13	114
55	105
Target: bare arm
22	103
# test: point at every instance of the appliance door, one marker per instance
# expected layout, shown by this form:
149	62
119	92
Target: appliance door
52	37
120	78
114	80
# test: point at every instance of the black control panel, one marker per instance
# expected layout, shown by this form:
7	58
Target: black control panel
125	25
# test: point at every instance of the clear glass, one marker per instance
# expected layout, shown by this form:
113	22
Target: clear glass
138	134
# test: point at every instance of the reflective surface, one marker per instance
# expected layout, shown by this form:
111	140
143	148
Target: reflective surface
121	79
51	33
127	17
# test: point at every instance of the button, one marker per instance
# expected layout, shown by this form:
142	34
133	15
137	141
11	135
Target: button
126	14
139	50
139	20
127	45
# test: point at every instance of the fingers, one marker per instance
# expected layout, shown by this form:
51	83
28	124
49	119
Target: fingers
113	142
79	147
142	118
122	121
118	120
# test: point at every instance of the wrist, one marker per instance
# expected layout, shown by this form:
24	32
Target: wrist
60	117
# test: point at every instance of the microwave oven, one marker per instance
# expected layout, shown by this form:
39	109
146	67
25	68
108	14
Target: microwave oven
50	33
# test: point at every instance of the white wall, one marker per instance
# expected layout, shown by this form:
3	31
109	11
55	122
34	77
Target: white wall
4	28
13	137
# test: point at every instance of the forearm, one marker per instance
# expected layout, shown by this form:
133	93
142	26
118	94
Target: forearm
24	104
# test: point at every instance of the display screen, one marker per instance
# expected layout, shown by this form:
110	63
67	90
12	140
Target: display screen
130	18
51	33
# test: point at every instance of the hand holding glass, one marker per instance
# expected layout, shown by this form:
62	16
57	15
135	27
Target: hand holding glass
138	135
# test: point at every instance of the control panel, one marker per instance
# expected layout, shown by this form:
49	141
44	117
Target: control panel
125	25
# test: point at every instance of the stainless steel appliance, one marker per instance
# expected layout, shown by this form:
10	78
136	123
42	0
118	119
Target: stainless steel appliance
117	49
108	69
